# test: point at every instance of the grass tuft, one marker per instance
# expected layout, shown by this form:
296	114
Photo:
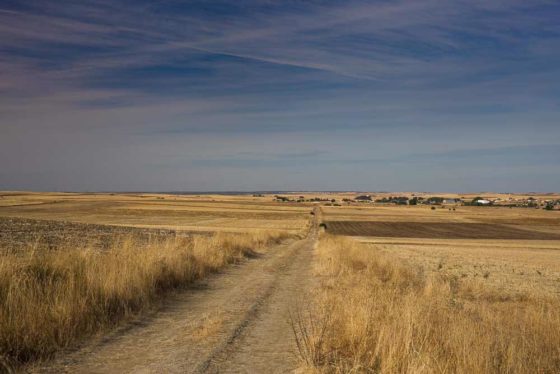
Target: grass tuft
51	298
374	313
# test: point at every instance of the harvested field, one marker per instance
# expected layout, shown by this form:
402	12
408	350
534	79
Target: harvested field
149	211
18	234
430	230
376	313
492	261
531	267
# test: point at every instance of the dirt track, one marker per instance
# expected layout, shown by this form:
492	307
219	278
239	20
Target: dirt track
236	321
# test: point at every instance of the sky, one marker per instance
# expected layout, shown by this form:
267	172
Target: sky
458	96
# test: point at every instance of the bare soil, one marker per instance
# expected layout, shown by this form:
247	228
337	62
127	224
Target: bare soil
21	233
441	230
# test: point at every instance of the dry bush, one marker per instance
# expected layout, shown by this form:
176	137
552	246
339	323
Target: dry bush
49	299
376	314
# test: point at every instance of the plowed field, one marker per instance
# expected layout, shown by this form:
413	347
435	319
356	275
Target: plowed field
441	230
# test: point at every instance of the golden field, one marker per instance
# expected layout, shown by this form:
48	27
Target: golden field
376	313
207	213
434	301
395	289
72	265
513	264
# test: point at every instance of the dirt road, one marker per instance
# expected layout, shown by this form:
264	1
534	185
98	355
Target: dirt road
236	321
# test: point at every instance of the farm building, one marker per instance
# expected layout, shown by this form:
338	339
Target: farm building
451	201
483	202
363	198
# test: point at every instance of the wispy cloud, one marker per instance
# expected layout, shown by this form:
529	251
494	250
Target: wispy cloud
218	85
543	155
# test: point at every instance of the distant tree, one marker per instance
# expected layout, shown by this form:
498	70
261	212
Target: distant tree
435	200
413	201
475	200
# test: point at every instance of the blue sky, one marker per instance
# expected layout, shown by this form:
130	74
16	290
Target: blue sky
280	95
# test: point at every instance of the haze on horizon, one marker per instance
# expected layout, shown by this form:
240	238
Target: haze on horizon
280	95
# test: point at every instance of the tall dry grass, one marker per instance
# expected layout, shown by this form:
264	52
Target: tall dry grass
375	314
50	299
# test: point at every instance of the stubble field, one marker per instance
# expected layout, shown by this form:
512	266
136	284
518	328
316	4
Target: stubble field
48	220
175	212
514	249
411	289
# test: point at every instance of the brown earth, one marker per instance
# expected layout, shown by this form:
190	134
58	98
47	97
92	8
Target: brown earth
17	234
442	230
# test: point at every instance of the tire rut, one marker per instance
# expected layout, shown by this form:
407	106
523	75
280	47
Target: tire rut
266	343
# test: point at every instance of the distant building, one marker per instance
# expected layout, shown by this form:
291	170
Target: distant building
483	202
451	201
363	198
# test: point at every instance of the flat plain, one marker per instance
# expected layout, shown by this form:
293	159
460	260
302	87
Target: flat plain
514	249
52	219
178	212
223	283
75	267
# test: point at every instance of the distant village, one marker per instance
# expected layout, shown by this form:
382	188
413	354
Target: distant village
524	202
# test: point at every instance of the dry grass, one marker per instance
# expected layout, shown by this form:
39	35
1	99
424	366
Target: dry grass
374	313
526	266
51	299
